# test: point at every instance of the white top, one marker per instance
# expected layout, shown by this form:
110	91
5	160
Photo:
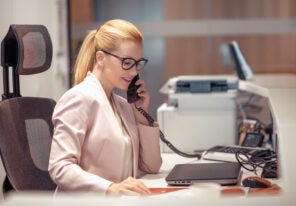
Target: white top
128	154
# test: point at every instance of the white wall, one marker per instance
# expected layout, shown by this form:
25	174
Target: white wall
54	82
52	14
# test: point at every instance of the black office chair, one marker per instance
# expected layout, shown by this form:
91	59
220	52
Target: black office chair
25	122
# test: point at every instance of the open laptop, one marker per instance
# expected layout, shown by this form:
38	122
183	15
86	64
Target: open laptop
224	173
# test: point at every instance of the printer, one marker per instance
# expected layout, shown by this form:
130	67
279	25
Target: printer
200	112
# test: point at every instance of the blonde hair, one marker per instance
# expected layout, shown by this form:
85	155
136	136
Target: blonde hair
107	37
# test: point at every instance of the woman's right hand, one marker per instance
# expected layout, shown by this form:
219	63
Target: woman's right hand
129	186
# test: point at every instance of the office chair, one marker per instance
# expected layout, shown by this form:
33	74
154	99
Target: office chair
25	122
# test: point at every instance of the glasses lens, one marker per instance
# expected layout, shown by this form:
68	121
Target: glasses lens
141	64
128	63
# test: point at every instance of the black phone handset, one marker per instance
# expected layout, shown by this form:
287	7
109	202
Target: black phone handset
132	96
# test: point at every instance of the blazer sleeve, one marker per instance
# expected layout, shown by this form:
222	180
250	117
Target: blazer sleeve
149	149
70	119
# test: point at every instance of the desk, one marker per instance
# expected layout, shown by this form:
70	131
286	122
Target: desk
283	106
282	99
170	159
275	81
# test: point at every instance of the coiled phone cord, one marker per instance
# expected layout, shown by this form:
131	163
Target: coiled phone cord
163	139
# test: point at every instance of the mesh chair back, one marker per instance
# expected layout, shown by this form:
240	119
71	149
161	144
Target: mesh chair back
28	48
25	140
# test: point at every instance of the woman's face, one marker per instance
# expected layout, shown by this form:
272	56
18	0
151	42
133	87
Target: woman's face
113	75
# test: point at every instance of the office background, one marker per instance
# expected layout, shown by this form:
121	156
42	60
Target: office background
181	36
187	36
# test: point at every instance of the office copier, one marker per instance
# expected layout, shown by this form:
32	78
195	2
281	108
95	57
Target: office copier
200	111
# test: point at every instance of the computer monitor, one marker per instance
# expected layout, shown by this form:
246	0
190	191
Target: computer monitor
243	69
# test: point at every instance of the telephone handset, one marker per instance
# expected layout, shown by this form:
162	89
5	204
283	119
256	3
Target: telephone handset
132	96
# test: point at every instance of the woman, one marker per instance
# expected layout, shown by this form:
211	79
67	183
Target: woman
100	141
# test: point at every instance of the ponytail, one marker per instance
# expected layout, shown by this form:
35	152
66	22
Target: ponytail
86	58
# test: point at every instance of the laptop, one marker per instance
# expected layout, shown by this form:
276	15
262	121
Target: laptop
224	173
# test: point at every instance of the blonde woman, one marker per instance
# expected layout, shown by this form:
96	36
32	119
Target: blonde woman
100	141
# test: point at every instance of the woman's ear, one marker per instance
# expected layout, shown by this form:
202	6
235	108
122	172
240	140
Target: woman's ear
100	58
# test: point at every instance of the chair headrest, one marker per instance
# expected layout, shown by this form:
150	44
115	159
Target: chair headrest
28	48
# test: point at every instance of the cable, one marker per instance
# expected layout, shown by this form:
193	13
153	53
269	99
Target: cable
251	162
163	139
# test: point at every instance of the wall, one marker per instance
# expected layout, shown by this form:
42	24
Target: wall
265	31
52	14
186	37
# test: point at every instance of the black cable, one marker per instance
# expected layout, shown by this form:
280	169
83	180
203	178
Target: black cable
163	139
253	162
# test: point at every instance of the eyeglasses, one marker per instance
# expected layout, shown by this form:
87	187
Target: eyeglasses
128	63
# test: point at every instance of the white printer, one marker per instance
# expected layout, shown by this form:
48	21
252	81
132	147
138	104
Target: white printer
200	112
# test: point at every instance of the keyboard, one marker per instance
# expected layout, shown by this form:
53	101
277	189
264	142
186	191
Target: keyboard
230	149
227	153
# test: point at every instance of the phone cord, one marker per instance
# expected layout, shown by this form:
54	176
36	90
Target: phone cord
162	137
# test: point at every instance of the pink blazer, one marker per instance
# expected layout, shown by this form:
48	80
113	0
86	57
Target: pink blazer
88	145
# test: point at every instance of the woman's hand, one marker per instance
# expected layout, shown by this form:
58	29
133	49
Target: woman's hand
129	186
145	96
143	102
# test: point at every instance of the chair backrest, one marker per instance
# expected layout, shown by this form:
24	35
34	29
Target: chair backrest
25	139
25	122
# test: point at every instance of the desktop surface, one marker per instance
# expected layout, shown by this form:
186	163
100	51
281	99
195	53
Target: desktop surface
282	103
162	194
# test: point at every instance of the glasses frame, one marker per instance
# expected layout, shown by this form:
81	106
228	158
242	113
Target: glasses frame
122	59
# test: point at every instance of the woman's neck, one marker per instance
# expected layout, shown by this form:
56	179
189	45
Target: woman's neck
104	83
